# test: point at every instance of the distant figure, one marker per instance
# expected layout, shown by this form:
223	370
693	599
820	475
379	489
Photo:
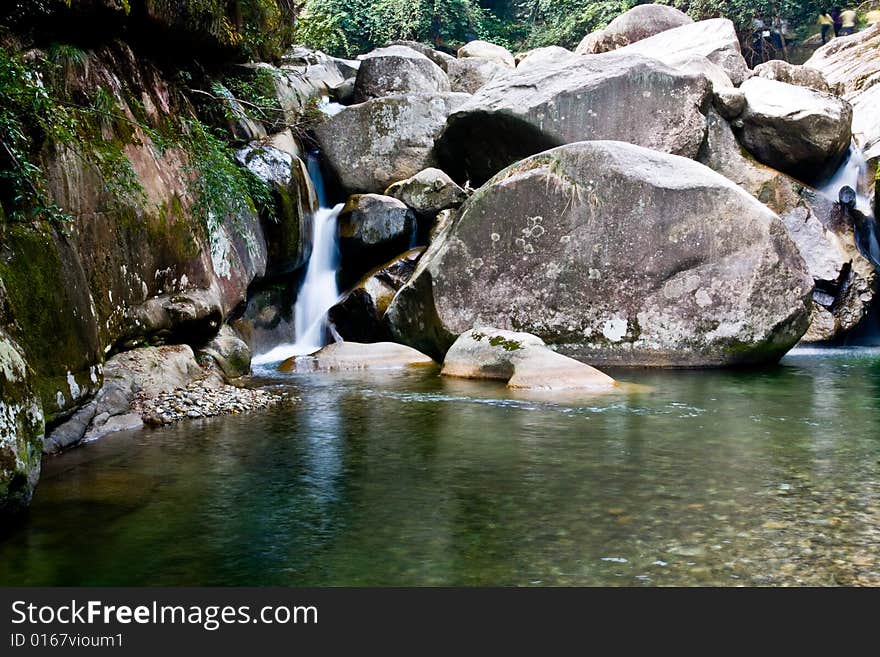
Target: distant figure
848	20
826	23
872	17
864	227
835	16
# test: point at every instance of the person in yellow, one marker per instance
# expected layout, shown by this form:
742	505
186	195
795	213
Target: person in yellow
848	19
872	17
826	23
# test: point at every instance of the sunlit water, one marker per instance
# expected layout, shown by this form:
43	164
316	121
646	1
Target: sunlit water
714	478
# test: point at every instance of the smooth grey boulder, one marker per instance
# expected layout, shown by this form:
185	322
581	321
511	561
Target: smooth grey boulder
428	192
353	356
490	51
521	360
638	23
372	230
374	144
801	76
21	429
548	246
397	70
471	74
440	58
799	131
542	57
714	39
579	99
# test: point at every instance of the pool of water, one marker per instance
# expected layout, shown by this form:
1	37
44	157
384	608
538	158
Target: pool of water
710	478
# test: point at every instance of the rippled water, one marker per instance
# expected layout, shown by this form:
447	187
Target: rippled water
726	478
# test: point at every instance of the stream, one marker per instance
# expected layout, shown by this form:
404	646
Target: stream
763	477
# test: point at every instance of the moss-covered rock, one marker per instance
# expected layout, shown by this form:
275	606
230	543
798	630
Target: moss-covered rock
21	429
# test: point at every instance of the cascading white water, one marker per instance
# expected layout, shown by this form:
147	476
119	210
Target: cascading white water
851	173
319	291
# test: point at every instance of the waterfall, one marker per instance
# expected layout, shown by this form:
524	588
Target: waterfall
319	291
852	173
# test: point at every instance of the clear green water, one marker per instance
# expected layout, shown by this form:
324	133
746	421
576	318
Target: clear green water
714	478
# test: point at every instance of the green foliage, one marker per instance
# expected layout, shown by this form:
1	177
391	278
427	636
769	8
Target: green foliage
222	190
348	27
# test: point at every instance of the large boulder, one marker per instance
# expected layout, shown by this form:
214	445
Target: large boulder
542	57
714	39
489	51
638	23
852	65
371	145
520	359
472	74
797	130
359	315
576	100
801	76
372	230
397	70
440	58
548	246
21	429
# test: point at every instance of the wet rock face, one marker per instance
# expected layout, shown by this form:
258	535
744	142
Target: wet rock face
714	39
21	429
575	100
547	247
638	23
374	144
799	131
397	70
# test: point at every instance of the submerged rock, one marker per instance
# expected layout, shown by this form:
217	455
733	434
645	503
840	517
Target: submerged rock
397	70
520	359
799	131
547	247
342	356
576	100
374	144
21	429
638	23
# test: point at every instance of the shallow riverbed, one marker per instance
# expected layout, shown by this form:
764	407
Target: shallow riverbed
714	478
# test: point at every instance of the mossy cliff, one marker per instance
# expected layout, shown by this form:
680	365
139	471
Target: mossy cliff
124	217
